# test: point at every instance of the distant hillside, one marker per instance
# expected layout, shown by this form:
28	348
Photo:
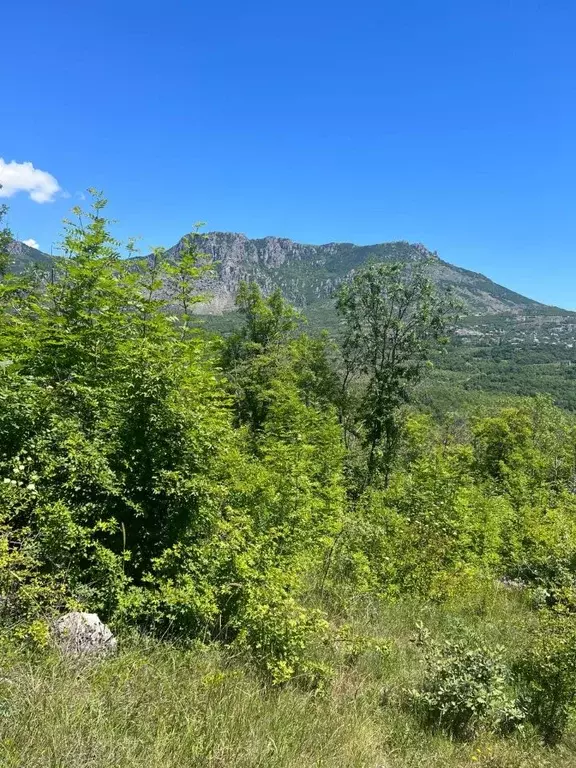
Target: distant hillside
25	256
309	274
506	343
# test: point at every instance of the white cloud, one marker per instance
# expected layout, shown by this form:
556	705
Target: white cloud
32	243
15	177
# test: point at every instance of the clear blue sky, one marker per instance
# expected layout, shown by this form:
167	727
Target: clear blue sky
451	123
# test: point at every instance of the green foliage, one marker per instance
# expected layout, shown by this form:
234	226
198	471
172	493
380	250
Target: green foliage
430	529
258	355
547	676
231	489
159	705
486	498
393	317
5	240
466	688
184	274
494	366
268	321
282	383
528	446
126	488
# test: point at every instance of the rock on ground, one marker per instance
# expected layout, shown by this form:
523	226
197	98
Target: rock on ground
78	634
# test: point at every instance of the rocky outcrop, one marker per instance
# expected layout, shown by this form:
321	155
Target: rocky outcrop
24	256
311	273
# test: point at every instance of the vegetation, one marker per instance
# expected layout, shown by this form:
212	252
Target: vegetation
465	689
160	705
307	557
393	317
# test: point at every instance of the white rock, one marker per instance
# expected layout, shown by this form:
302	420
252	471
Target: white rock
78	634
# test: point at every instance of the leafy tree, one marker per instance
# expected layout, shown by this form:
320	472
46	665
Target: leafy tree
254	355
268	321
18	298
185	273
393	318
5	240
112	419
270	351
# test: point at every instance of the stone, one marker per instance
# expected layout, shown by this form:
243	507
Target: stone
83	634
512	584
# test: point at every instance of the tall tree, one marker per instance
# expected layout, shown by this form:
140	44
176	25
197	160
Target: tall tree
5	240
255	355
185	273
393	317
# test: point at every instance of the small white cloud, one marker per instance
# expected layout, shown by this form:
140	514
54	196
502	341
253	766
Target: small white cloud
32	243
15	177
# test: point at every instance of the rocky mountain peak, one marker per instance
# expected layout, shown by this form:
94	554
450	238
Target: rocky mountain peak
309	274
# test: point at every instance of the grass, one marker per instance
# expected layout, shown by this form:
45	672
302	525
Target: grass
158	706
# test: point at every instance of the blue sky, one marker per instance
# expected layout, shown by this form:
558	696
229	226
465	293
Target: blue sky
451	123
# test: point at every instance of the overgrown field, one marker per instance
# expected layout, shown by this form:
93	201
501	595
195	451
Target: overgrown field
159	706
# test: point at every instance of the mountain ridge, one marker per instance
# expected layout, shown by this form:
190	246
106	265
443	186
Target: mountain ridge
24	255
308	274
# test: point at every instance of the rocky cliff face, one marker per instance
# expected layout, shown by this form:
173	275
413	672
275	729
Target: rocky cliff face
309	274
23	256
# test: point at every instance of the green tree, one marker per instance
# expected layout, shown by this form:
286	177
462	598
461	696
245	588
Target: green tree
185	273
5	240
255	355
393	318
18	297
268	321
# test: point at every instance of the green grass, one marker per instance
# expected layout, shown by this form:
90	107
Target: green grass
157	706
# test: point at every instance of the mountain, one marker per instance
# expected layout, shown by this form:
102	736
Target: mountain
24	256
506	343
309	274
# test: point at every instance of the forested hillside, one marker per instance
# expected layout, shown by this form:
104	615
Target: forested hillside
312	552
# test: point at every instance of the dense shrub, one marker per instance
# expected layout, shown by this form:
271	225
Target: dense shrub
547	676
466	688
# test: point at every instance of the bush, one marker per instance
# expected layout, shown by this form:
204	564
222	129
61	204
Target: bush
547	676
466	688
